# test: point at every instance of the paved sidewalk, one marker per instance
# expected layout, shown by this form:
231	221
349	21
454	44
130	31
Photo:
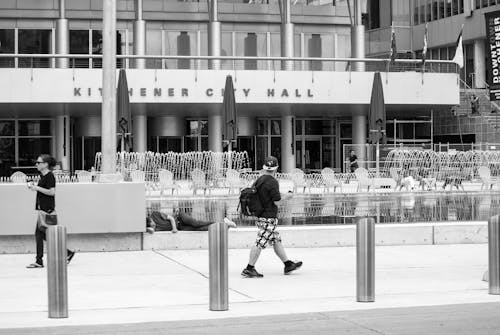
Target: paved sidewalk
148	286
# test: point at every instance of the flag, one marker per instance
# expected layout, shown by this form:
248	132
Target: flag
424	50
393	46
459	53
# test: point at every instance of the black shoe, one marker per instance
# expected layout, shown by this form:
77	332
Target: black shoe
70	256
292	267
251	273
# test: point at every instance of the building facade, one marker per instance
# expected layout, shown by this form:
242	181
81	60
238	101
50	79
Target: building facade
304	112
444	20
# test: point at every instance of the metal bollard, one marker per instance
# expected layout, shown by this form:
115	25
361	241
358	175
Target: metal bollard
218	267
57	275
365	260
494	254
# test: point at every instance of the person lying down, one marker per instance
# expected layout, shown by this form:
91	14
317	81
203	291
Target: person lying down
158	221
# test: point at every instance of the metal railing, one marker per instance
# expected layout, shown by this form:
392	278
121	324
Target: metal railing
341	64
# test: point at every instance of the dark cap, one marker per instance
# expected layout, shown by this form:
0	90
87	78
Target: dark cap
270	163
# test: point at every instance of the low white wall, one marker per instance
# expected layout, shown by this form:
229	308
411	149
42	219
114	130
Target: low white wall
84	208
332	236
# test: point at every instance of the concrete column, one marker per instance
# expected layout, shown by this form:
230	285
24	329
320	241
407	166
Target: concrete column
359	133
287	28
63	141
109	88
357	38
214	35
215	132
140	128
479	64
139	36
287	143
62	36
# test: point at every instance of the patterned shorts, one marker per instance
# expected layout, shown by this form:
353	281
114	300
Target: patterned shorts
268	234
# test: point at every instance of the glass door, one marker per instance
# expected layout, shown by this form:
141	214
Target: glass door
312	154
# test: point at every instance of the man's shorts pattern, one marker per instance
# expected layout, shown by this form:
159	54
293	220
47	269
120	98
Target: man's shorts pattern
267	234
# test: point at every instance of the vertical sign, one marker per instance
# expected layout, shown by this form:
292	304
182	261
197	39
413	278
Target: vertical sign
493	65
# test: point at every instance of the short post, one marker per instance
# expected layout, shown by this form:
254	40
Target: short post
57	275
365	260
218	266
494	254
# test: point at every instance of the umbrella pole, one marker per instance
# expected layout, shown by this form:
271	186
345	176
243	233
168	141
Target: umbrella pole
377	159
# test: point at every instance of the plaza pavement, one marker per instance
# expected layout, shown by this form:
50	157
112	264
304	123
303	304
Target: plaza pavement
158	286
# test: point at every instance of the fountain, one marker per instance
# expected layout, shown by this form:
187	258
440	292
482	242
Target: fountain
214	164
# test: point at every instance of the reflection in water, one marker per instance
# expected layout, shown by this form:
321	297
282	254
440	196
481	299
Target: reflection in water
342	209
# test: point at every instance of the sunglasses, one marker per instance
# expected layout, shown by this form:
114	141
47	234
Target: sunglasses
38	162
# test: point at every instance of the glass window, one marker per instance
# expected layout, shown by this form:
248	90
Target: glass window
204	127
250	50
428	11
251	45
276	149
262	151
167	144
184	49
298	127
34	41
153	47
434	9
34	128
191	144
7	155
275	127
7	47
441	11
193	128
422	131
314	47
262	127
227	49
79	44
7	128
328	152
97	48
448	8
319	127
31	148
416	12
346	130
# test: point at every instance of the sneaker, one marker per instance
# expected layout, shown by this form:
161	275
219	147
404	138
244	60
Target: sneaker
34	266
70	256
292	267
251	273
230	223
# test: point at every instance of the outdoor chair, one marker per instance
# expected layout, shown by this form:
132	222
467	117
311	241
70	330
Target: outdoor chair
18	177
233	180
137	176
330	180
363	179
298	180
198	181
486	178
166	181
83	176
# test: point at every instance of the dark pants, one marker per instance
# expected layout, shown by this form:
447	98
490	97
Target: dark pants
187	222
39	238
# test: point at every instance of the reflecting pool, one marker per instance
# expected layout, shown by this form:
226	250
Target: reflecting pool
339	209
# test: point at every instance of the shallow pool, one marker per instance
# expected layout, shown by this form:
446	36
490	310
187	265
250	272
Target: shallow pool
339	209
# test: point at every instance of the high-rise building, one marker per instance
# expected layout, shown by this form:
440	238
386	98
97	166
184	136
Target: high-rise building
444	20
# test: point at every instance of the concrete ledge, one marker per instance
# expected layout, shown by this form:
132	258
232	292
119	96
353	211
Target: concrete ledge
331	236
293	237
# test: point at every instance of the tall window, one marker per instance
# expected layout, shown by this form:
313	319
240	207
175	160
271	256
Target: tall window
268	140
21	141
7	47
197	140
251	51
34	41
79	44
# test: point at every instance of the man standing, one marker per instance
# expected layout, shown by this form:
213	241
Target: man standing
268	190
353	161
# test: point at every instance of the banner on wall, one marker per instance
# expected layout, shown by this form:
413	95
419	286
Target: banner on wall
493	64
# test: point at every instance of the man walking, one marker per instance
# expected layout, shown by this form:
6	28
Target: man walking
268	190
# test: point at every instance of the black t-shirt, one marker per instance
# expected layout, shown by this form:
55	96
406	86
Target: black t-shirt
46	202
352	159
269	192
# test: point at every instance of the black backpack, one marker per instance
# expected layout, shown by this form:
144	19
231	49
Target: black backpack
250	204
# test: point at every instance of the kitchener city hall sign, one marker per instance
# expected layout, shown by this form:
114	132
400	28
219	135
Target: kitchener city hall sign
172	92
